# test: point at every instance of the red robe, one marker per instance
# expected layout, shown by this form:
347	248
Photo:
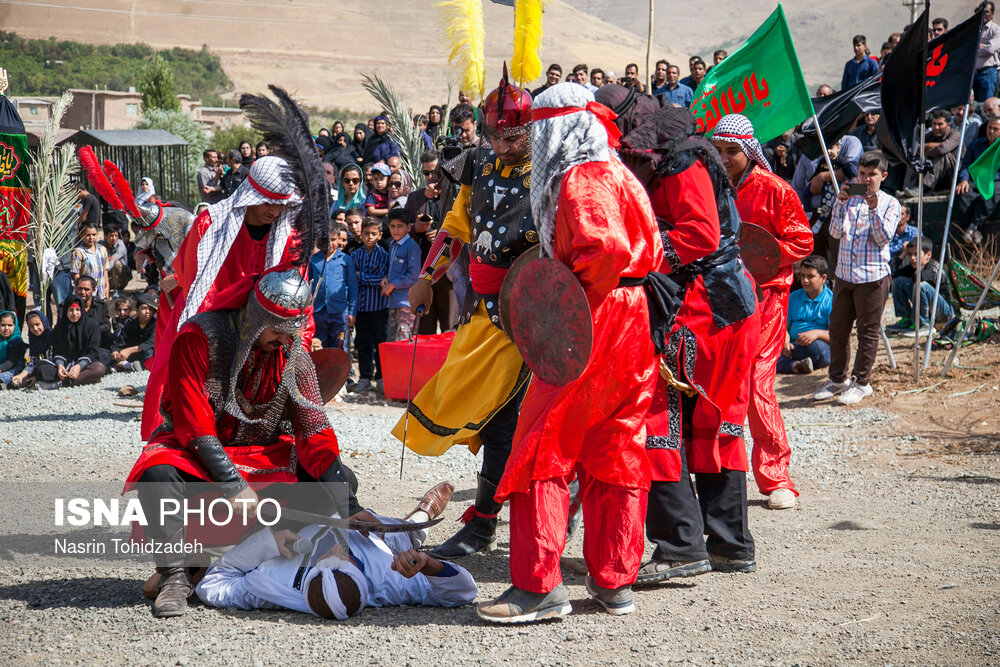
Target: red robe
722	357
193	416
768	201
246	257
604	232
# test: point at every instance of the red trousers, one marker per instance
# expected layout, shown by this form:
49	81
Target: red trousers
613	541
771	452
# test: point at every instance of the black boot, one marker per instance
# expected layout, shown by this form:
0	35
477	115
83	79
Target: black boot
479	532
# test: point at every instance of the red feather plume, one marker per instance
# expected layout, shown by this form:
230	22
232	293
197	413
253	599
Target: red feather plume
122	187
97	178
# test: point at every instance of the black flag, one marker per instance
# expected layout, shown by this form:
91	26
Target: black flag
951	64
903	95
836	114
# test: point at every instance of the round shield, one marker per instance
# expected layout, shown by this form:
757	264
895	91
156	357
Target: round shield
760	252
503	301
333	366
550	321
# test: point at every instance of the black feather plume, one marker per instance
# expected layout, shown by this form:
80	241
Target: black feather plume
285	128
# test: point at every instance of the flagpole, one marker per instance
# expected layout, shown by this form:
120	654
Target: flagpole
969	323
649	48
826	155
944	239
920	235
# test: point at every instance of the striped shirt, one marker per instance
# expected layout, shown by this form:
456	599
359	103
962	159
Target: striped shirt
372	268
864	237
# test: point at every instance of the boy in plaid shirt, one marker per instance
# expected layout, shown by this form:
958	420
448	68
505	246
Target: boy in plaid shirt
864	224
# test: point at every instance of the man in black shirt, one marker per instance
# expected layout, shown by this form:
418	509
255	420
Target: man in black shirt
236	174
90	207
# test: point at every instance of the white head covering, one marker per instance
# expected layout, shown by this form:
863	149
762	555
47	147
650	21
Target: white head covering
144	197
737	129
331	593
558	144
269	182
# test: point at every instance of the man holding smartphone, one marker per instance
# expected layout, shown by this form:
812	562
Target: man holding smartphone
425	205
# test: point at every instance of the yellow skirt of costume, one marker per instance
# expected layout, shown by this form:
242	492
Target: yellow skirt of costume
482	372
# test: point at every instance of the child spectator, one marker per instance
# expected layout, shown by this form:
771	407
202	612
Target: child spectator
11	348
136	342
123	311
377	201
91	259
902	290
864	224
334	281
860	67
372	263
404	269
353	220
40	365
807	341
119	273
76	341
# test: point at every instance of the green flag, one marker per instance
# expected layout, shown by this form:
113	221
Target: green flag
984	170
761	80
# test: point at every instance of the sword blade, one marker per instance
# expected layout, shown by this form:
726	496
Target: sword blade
349	524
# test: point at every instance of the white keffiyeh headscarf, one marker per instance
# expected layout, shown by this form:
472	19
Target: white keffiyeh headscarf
557	145
737	129
269	182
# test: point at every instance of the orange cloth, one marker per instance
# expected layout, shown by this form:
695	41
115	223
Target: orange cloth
604	230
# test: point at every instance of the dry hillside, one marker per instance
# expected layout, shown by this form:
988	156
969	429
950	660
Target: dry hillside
318	49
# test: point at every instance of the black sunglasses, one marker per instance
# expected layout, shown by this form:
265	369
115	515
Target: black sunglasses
352	180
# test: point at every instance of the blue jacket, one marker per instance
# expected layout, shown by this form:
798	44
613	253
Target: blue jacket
976	149
404	269
338	289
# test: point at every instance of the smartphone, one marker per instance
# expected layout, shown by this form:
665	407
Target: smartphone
424	218
857	189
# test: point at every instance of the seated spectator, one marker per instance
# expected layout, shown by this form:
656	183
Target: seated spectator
123	312
860	67
941	148
866	132
39	353
971	208
90	258
11	349
807	341
97	310
971	126
136	342
380	146
146	191
698	70
905	232
236	174
824	90
75	347
377	201
334	282
674	92
119	273
902	291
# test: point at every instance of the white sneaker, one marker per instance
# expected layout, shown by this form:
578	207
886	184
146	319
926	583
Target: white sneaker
781	499
829	389
855	393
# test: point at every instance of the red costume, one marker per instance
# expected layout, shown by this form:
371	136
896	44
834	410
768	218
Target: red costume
604	231
769	202
714	360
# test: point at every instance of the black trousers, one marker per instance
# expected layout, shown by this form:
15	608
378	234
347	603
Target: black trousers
439	314
333	491
369	330
498	435
679	514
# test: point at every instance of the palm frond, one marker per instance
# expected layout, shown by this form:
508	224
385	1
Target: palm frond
401	127
51	223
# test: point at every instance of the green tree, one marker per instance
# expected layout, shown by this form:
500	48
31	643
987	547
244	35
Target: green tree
156	83
179	124
232	137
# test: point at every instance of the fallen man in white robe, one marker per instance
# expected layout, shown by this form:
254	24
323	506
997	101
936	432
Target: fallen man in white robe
310	571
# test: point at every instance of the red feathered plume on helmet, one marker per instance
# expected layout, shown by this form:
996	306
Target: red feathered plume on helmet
122	187
97	178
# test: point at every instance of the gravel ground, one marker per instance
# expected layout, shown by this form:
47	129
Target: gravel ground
884	562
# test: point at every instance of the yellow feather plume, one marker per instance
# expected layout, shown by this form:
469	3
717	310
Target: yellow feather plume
526	65
462	21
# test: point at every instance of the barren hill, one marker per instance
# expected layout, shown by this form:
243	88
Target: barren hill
319	49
